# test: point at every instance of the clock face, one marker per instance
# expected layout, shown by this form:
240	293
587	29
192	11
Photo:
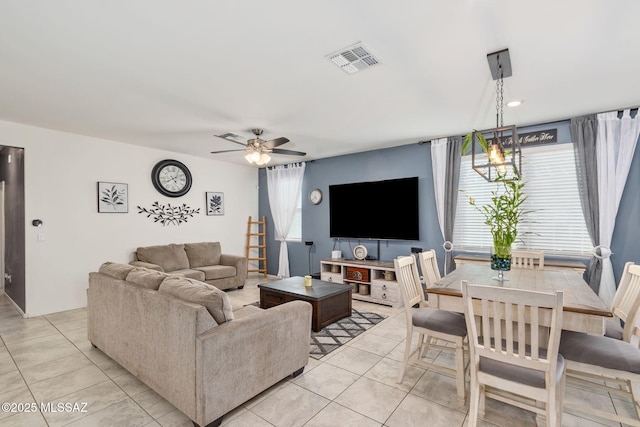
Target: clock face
171	178
315	196
360	252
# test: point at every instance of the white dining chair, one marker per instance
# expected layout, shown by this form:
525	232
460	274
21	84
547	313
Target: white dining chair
624	306
527	259
429	267
512	350
429	323
609	363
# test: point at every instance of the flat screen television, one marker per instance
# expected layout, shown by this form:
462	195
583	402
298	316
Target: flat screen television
376	210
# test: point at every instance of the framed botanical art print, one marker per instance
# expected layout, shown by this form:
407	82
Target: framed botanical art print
113	197
215	203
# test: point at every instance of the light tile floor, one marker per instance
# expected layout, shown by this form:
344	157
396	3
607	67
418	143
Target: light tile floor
49	359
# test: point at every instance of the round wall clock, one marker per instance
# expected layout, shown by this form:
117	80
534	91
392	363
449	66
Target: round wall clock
315	196
171	178
360	252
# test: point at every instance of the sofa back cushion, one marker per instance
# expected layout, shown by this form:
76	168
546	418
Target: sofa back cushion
150	279
203	254
170	257
113	269
216	301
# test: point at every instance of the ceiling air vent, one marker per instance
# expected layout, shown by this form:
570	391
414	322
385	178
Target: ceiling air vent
354	58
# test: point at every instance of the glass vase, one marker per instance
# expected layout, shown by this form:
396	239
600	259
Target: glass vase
501	261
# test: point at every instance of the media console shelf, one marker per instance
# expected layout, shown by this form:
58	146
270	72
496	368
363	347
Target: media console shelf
372	281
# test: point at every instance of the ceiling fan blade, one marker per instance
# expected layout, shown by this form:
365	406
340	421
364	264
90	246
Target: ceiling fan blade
232	137
224	151
275	142
289	152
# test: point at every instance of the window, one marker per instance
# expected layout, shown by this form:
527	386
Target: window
295	233
557	226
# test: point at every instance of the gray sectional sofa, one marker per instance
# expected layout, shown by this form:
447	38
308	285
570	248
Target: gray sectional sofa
201	261
181	338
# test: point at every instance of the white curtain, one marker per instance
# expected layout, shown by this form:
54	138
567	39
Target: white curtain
284	184
615	144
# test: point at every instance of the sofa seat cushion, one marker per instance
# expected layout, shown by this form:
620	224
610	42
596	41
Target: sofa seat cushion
189	273
150	279
214	272
113	269
213	299
203	254
170	257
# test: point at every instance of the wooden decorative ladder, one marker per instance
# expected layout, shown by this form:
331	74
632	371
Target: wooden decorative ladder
256	240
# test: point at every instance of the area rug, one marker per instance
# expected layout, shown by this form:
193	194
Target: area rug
344	330
341	332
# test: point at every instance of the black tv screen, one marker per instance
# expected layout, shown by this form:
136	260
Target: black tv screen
377	210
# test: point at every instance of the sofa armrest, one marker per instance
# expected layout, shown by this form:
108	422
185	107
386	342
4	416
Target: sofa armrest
237	261
147	265
249	355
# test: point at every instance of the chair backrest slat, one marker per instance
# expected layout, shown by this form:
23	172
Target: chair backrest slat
534	336
486	325
497	324
508	319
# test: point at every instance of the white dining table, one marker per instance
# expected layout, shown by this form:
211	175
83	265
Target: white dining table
583	310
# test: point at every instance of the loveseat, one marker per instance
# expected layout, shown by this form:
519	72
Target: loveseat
201	261
182	338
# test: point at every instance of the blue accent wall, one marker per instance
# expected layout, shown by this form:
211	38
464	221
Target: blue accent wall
401	162
625	244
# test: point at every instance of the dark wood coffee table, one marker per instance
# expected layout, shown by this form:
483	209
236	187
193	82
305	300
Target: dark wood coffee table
330	301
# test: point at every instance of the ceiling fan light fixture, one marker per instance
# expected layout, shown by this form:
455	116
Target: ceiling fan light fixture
258	150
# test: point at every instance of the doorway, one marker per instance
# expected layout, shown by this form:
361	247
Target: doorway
13	213
2	235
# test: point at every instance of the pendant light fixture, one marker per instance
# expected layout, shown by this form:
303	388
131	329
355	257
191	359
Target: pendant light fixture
496	152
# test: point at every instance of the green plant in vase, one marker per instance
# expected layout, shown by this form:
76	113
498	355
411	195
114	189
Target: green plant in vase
502	215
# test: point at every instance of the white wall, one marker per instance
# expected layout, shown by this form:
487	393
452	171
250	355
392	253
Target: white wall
61	175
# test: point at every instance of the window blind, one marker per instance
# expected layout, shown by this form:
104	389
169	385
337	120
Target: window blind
556	224
295	233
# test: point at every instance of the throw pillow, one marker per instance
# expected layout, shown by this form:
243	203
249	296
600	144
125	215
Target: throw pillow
170	257
216	301
150	279
113	269
203	254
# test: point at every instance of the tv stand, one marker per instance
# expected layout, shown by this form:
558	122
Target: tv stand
372	281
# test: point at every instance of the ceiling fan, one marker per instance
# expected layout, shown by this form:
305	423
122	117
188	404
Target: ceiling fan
257	149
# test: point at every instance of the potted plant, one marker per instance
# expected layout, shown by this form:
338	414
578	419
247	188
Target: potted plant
502	215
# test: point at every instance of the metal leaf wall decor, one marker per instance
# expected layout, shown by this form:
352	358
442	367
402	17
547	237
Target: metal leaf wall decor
167	214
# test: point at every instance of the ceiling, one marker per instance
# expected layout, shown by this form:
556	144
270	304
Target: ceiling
172	74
